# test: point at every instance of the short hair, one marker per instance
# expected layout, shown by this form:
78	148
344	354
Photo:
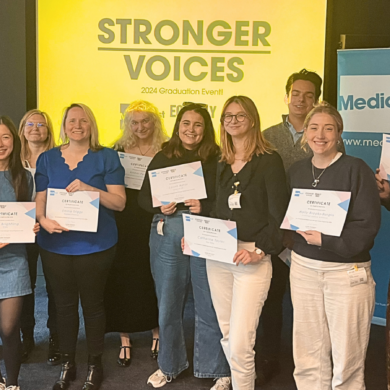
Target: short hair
49	143
207	147
322	108
94	139
306	75
255	143
128	139
18	174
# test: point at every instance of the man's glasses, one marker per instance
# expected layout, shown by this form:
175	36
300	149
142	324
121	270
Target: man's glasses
239	118
38	124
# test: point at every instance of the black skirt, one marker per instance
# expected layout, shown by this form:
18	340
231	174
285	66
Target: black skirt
130	297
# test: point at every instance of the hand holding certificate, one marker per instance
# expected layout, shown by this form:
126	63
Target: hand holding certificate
318	210
135	169
17	220
210	238
177	184
73	210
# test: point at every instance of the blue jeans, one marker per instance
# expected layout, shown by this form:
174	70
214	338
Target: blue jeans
172	272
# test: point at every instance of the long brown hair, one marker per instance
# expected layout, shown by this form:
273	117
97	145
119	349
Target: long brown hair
255	142
207	147
15	167
25	153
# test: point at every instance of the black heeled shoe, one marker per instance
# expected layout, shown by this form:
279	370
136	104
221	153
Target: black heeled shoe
125	361
154	353
53	356
68	372
95	373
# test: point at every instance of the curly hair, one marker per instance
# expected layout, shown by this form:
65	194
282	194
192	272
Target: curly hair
129	139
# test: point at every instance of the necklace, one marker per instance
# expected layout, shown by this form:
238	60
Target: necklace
317	180
143	154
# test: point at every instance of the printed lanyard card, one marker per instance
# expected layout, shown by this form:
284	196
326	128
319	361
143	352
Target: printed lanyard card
357	276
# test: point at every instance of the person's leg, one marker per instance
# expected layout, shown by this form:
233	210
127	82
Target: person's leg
10	312
209	358
91	272
220	277
311	341
272	321
349	311
60	273
250	289
27	321
171	274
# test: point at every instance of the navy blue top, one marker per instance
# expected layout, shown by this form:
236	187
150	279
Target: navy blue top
97	169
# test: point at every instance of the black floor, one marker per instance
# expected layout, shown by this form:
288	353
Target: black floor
37	375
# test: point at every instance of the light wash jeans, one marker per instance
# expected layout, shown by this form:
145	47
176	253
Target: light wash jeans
332	323
172	272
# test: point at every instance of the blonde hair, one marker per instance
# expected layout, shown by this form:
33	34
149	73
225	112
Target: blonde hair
129	139
25	153
255	143
94	139
321	108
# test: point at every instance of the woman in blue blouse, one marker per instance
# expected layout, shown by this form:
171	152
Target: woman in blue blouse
77	263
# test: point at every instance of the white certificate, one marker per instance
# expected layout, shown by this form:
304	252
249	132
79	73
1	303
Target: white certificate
323	211
17	220
210	238
135	169
385	158
177	184
73	210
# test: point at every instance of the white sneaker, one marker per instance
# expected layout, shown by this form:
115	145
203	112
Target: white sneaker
159	379
222	383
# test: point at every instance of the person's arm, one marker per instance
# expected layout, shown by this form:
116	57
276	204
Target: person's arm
363	218
384	189
145	193
270	238
114	198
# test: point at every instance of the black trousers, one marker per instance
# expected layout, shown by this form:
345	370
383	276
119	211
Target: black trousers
74	276
27	321
272	314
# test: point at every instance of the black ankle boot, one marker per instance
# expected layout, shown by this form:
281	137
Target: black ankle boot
53	356
28	345
95	373
68	372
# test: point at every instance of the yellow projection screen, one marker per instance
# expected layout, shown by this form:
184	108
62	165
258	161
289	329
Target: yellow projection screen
108	53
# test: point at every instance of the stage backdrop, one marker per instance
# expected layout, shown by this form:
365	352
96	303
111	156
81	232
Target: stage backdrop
364	103
108	53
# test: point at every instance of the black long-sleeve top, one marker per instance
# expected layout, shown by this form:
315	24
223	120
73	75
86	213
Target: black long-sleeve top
364	215
264	199
160	160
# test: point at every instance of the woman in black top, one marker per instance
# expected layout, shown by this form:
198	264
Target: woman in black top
251	190
332	288
193	139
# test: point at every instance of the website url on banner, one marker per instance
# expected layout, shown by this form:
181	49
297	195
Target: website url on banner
362	142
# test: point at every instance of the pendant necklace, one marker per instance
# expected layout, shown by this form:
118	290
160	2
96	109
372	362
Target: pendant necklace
143	154
317	180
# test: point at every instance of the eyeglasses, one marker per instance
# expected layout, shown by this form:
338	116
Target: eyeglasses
32	124
239	118
201	105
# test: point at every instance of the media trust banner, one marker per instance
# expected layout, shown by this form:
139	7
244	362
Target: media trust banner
364	103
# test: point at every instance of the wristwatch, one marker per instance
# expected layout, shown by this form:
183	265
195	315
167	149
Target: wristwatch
258	251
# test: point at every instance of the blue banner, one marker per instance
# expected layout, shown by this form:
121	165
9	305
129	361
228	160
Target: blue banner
364	103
